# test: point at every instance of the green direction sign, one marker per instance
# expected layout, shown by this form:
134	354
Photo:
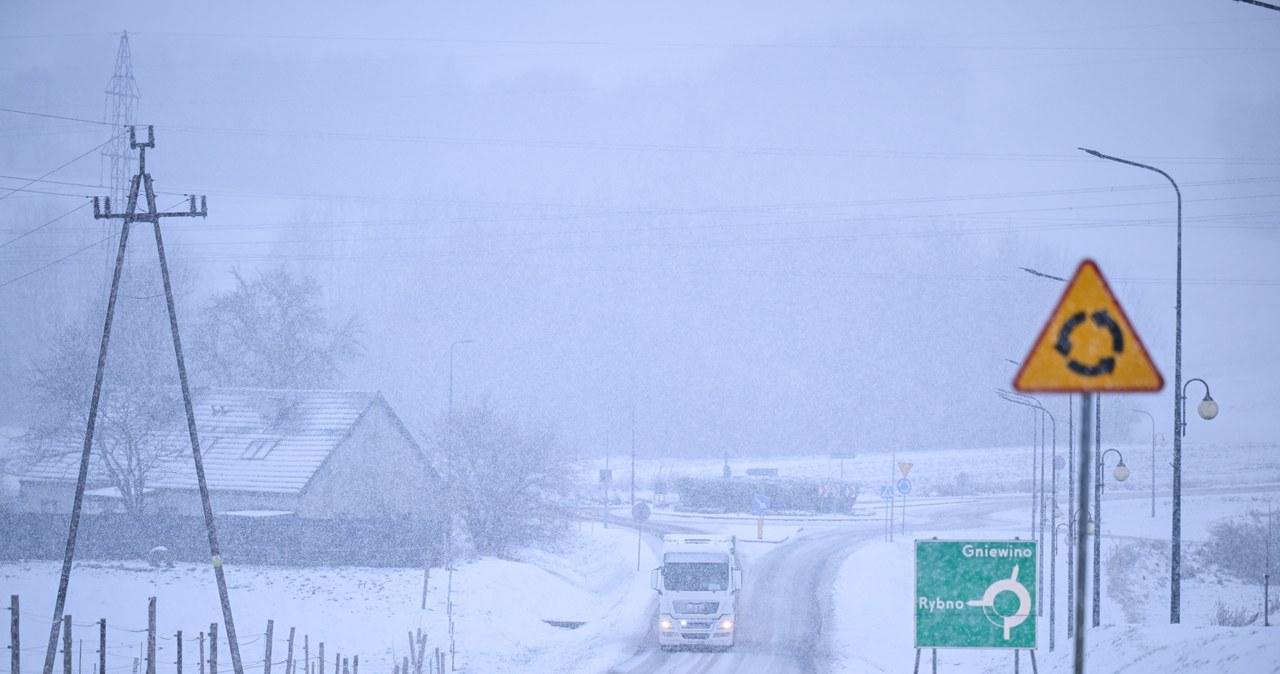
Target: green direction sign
975	594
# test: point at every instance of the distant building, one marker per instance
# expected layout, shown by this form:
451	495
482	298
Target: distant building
276	462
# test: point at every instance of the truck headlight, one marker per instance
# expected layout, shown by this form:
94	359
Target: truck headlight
665	622
726	624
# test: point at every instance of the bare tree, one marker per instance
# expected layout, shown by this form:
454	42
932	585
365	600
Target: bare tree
272	332
507	482
140	398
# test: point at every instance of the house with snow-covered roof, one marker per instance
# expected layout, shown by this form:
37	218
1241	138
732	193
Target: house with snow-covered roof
310	454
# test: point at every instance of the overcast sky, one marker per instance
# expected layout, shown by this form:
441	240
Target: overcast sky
765	228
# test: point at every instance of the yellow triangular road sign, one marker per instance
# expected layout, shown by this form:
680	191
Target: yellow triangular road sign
1088	344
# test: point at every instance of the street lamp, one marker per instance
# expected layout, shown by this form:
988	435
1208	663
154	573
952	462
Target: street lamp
1207	409
1153	459
448	529
1121	474
1175	556
1029	401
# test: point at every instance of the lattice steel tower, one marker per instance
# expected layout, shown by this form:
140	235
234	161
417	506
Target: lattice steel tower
122	102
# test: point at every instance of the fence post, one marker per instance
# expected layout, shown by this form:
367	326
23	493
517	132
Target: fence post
213	648
306	654
178	639
151	635
200	655
422	649
15	644
102	646
266	657
288	664
320	658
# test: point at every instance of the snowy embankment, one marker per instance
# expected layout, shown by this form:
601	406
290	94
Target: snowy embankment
500	610
876	585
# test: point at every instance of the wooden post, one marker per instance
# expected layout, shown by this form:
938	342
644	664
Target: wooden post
213	648
346	666
337	663
320	658
405	668
355	664
306	654
178	640
102	646
200	655
151	635
422	649
15	644
288	663
266	656
66	644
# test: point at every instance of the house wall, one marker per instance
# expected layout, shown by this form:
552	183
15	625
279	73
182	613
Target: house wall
49	497
174	502
376	473
56	498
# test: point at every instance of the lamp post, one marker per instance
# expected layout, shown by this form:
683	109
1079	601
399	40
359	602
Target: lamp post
1207	409
448	530
1029	401
1121	474
1175	565
1153	459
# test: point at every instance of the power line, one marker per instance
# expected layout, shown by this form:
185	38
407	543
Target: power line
33	231
42	114
68	256
13	191
91	246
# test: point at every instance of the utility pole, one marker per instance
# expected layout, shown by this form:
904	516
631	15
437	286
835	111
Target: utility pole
139	186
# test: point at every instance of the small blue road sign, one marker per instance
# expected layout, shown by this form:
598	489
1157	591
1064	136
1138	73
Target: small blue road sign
904	486
760	504
640	512
886	492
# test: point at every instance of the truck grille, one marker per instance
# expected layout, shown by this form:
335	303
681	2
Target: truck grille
695	607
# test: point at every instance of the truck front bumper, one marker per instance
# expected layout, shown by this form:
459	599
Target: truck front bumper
695	631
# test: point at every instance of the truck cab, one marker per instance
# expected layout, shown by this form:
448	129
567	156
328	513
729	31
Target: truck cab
697	587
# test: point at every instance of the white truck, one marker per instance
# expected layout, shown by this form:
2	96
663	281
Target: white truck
697	586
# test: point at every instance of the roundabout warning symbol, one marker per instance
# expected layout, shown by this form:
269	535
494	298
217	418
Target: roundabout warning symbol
1088	344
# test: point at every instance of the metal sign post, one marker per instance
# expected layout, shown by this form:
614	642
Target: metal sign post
1089	346
904	488
639	513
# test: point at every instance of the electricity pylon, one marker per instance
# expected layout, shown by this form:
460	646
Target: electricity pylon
141	183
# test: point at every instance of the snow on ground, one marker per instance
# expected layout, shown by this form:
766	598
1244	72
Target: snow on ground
502	605
874	631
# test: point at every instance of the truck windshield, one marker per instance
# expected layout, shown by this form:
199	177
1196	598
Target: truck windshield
696	576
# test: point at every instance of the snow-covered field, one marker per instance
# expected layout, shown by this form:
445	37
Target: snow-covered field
502	606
